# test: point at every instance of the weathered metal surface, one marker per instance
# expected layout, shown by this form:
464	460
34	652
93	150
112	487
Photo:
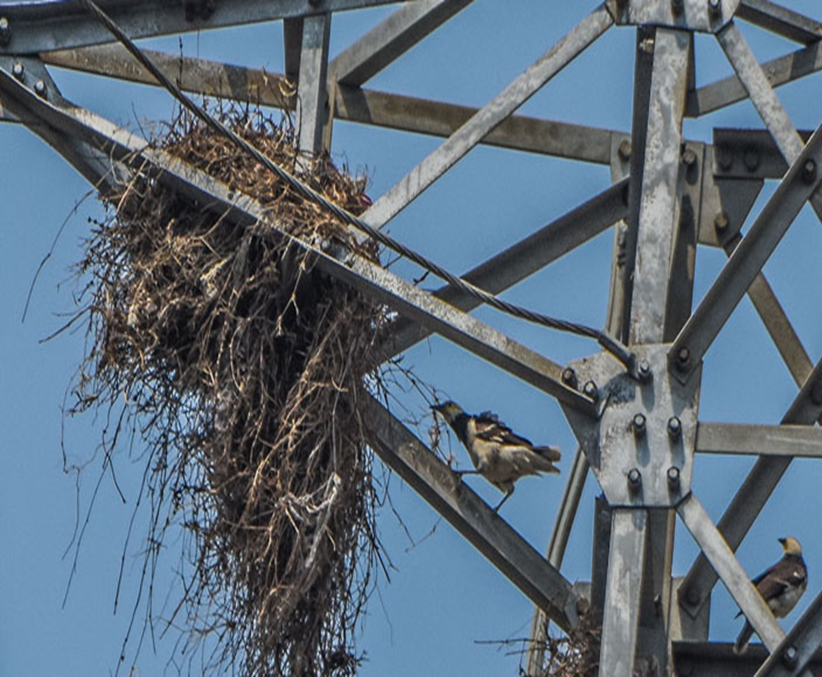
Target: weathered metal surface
412	185
717	659
749	154
780	20
57	24
733	576
621	613
470	515
692	15
796	651
312	94
614	445
752	495
778	71
765	440
391	38
746	262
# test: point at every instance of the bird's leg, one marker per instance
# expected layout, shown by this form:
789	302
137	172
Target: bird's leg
504	498
460	473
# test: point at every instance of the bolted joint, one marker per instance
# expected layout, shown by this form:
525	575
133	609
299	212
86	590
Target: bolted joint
673	478
677	6
634	480
751	160
638	425
790	657
569	377
715	8
721	222
18	70
688	158
40	88
590	389
624	149
674	428
5	31
809	171
644	371
683	359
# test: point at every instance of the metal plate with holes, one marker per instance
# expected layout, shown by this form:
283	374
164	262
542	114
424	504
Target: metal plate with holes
705	16
647	431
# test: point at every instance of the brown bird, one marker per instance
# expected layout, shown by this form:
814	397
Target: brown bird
781	586
498	454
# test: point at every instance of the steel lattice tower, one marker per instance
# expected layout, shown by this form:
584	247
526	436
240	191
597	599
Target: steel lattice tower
637	423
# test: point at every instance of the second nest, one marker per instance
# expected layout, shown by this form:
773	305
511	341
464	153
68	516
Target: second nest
247	371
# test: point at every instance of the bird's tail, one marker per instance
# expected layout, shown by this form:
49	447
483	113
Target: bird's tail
549	453
744	637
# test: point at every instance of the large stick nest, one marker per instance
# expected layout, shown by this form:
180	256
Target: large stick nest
244	370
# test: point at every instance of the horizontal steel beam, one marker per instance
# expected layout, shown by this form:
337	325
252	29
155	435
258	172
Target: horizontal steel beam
400	450
485	120
748	259
717	659
364	106
780	20
778	71
391	38
796	651
370	277
59	24
749	154
733	576
526	257
759	440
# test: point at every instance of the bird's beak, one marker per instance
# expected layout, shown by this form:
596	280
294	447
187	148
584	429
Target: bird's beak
436	407
782	541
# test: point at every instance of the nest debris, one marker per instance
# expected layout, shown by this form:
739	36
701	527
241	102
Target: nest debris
575	654
244	370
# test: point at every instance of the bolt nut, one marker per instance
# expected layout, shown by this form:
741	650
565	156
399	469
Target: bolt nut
569	377
644	370
689	157
790	657
634	480
674	428
724	157
677	6
683	359
5	31
590	389
721	222
638	424
809	171
18	70
692	596
40	88
673	478
715	7
624	149
751	159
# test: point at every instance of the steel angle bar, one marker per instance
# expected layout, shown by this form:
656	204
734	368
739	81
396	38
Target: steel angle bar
795	652
470	516
364	106
778	71
749	154
717	659
620	622
563	523
762	95
487	118
312	92
763	440
747	259
292	50
753	494
524	258
733	576
780	20
391	38
362	273
57	24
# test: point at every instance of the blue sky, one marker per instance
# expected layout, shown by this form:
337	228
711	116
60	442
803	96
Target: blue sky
444	600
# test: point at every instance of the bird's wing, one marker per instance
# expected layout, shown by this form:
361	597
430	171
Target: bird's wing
780	576
491	429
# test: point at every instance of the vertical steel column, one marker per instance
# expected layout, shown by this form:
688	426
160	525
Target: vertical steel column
312	90
639	576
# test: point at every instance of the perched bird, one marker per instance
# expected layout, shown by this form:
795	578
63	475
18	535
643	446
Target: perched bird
498	454
781	586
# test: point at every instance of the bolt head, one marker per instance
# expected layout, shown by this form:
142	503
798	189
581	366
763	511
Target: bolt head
721	222
790	657
569	377
624	149
715	7
40	87
644	369
751	159
634	479
591	390
639	424
5	31
674	427
689	157
18	70
673	477
809	171
683	358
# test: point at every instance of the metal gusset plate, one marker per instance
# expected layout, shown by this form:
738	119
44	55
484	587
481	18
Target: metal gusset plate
704	16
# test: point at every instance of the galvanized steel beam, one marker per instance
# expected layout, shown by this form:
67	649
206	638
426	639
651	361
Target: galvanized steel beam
470	516
780	20
391	38
733	576
57	24
487	118
312	91
749	154
717	659
759	440
796	651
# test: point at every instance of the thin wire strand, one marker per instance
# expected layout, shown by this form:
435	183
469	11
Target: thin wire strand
606	341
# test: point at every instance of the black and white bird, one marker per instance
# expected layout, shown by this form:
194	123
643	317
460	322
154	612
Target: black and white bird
781	586
498	454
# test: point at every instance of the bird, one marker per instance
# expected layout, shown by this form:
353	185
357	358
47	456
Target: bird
781	586
498	454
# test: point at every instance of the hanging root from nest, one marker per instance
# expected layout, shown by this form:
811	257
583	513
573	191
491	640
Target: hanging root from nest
244	369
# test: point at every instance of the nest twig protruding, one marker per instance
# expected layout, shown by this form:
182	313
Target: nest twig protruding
244	368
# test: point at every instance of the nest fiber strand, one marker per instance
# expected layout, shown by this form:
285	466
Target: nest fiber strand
245	368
